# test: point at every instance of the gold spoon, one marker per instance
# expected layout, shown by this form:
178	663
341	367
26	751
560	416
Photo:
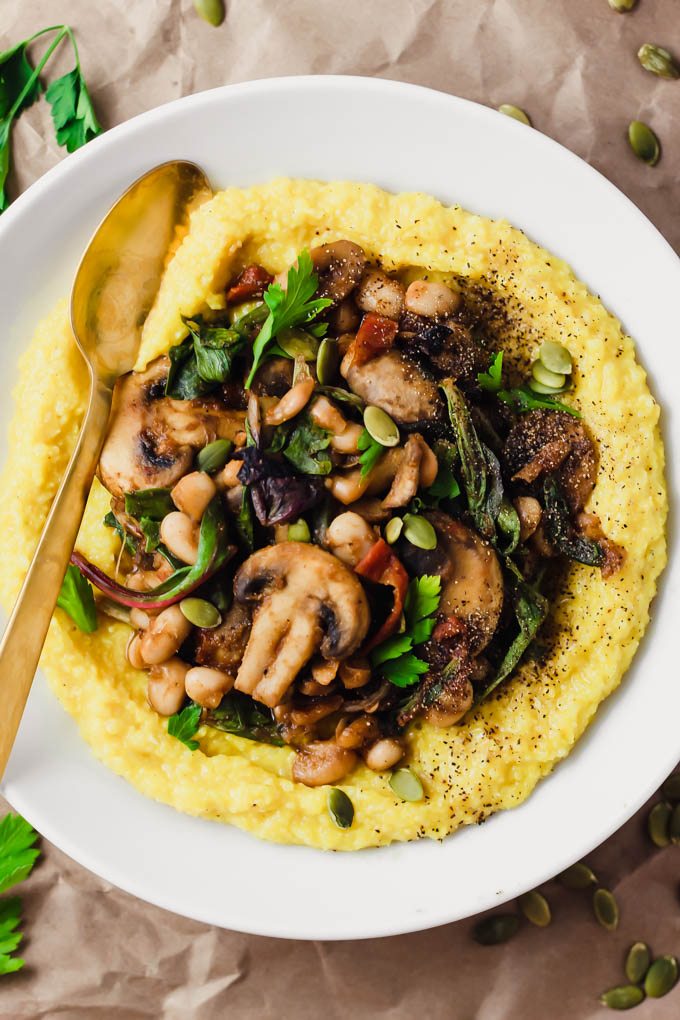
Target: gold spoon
113	291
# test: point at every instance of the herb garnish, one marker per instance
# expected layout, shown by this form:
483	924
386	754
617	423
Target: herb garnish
531	609
16	862
289	308
77	599
72	113
183	725
306	442
491	380
395	657
372	452
561	531
240	715
524	399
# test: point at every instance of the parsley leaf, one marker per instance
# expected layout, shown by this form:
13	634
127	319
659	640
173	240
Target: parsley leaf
372	452
184	724
289	308
16	861
524	399
76	599
491	380
72	113
395	656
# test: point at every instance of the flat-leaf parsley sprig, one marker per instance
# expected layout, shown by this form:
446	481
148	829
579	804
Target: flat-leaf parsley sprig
72	112
394	657
289	308
184	725
17	857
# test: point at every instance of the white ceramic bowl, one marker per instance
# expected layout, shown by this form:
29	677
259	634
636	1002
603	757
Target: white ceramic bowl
403	138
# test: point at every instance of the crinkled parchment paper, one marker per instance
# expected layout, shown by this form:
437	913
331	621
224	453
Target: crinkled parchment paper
92	951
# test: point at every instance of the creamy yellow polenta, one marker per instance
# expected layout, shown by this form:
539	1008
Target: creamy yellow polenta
494	760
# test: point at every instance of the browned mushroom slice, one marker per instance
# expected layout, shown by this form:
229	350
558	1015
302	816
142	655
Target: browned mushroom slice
340	266
306	600
546	442
223	647
590	526
152	438
472	581
395	383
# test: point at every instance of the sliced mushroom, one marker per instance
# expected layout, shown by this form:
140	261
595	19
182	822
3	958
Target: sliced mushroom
306	600
590	526
529	512
395	383
152	438
413	472
472	581
340	266
545	442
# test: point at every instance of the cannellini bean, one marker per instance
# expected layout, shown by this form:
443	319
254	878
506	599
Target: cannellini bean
133	651
192	494
327	415
291	403
356	733
354	673
529	513
180	534
435	300
429	466
350	538
206	686
383	754
228	476
324	670
322	762
377	292
347	441
166	686
165	636
144	580
139	618
350	486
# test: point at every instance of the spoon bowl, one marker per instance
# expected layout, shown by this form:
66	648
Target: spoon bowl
114	288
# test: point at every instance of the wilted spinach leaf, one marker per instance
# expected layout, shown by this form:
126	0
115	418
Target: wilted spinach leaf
237	713
306	442
151	503
531	609
560	529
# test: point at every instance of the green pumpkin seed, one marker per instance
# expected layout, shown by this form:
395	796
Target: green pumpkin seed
674	825
554	380
637	962
538	387
535	908
658	823
393	529
643	142
555	357
296	341
514	111
211	11
340	808
496	928
659	61
606	909
622	5
578	876
380	426
299	531
661	977
214	456
113	609
406	785
623	997
201	613
327	361
419	532
671	788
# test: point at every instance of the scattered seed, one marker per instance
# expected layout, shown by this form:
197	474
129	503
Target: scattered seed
296	341
578	876
496	928
380	426
538	387
406	785
622	5
555	357
535	908
623	997
674	825
514	111
659	61
393	529
340	808
299	531
419	532
606	909
214	456
671	788
661	977
637	962
644	142
201	613
552	380
327	360
658	822
211	11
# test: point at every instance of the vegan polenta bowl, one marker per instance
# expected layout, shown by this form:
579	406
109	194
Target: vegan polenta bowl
376	526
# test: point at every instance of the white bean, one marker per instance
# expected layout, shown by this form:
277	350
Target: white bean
166	686
291	403
377	292
383	754
133	651
180	534
165	636
192	494
434	300
350	538
206	686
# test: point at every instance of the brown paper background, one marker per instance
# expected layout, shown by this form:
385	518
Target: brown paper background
93	951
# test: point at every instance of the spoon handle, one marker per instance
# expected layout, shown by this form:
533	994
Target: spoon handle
26	630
